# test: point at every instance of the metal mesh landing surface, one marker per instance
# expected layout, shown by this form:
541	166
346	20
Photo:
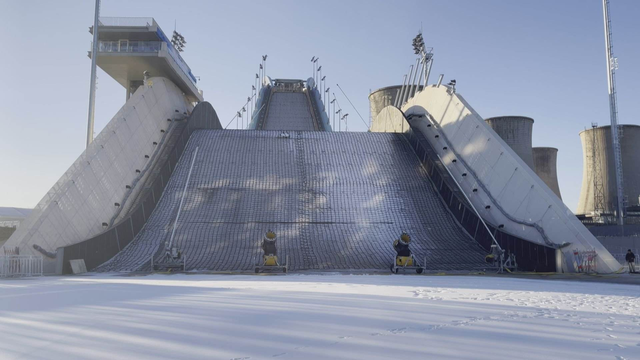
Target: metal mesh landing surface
335	200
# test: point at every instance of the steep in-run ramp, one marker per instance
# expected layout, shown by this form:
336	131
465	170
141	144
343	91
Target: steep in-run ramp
335	200
289	111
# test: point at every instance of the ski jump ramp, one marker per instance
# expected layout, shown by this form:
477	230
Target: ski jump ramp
335	200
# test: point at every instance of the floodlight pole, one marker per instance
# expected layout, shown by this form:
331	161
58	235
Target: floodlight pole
412	81
398	102
92	87
333	112
315	79
248	106
613	112
326	100
418	78
408	87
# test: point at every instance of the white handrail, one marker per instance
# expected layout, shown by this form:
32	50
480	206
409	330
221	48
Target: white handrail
184	193
20	266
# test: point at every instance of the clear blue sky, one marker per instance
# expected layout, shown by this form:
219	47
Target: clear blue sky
543	59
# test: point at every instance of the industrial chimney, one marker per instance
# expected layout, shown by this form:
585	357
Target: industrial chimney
545	165
599	169
516	131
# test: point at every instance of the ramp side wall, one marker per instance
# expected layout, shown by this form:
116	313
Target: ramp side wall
260	108
86	195
530	256
508	192
100	248
319	108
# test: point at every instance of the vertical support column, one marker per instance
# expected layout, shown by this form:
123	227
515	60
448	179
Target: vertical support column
415	90
398	101
412	82
92	88
407	88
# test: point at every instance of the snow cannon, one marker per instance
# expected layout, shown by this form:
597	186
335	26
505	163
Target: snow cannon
269	261
404	259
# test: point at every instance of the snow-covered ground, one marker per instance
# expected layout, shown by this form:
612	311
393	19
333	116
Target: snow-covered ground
317	317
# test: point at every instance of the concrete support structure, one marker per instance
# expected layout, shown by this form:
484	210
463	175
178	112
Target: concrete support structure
545	165
128	48
91	192
517	132
630	149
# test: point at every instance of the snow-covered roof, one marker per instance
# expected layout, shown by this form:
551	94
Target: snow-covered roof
12	213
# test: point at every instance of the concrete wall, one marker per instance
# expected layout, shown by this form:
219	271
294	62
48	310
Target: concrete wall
104	246
545	165
85	196
508	194
618	246
630	148
517	132
387	121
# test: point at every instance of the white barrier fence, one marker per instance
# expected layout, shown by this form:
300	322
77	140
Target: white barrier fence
20	266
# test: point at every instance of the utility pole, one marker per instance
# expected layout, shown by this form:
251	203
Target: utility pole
333	128
315	72
264	61
92	88
612	66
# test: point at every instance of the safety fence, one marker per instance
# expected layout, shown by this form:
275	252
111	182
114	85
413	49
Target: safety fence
20	266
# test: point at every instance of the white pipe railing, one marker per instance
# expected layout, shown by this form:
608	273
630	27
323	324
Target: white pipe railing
20	266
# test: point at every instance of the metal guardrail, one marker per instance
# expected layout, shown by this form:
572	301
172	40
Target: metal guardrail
126	21
130	46
20	266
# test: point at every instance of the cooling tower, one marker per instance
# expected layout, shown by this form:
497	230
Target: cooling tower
545	165
381	98
516	131
604	165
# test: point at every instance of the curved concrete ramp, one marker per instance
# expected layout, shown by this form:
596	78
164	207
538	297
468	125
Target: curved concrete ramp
336	201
